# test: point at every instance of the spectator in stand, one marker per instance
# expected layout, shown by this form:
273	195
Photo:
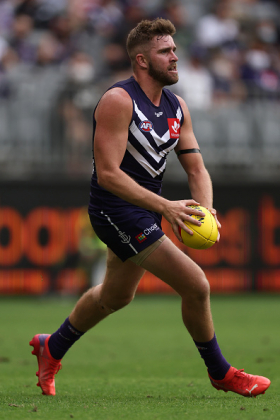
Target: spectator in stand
133	13
27	7
218	28
6	16
41	11
8	60
22	39
261	70
35	88
74	109
47	10
195	82
228	87
177	12
81	69
3	47
116	59
60	27
105	16
267	31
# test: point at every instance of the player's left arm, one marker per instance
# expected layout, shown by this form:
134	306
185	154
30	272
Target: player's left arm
199	180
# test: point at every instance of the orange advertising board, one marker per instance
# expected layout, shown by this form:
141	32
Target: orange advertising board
40	242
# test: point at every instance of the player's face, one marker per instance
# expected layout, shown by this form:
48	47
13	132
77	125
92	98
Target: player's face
162	60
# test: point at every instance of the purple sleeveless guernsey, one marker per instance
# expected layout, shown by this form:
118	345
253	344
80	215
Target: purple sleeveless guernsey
153	132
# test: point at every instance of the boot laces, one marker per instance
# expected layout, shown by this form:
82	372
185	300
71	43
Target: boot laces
54	367
240	377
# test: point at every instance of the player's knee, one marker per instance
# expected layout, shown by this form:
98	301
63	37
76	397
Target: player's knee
204	288
113	304
122	302
201	291
105	309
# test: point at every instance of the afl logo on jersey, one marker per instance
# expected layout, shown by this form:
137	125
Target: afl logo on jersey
146	126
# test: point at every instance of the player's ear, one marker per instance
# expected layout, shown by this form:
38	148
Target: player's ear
141	61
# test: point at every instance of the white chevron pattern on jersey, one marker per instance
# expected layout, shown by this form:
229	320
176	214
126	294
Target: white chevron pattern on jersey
179	114
157	156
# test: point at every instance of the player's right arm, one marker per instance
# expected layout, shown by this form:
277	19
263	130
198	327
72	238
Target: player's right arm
113	116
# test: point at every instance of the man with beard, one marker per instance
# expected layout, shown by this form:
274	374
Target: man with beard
137	123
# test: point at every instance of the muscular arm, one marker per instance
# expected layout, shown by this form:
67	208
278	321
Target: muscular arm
113	116
198	177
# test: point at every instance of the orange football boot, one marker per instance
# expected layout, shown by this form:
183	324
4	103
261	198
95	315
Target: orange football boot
48	366
242	383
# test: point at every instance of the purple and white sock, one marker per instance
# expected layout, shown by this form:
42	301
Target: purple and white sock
61	341
213	358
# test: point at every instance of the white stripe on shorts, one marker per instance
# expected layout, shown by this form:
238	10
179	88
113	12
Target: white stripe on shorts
123	236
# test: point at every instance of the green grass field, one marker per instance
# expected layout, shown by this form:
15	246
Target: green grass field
140	363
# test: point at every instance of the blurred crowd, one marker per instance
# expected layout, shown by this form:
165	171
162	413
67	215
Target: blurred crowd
67	52
228	49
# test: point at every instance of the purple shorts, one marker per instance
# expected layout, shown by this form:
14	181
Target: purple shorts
127	231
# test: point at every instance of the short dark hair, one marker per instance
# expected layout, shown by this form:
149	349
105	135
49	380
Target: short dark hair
144	32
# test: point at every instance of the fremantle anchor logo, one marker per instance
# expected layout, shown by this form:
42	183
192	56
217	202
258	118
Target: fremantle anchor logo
124	237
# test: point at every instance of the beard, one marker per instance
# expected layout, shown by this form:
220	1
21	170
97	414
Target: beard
165	79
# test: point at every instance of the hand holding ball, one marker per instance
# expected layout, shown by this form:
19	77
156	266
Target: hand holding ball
205	235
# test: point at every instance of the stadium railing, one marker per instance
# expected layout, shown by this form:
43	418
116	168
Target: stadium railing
46	137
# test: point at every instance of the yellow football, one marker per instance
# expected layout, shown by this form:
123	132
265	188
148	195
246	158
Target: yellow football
205	235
